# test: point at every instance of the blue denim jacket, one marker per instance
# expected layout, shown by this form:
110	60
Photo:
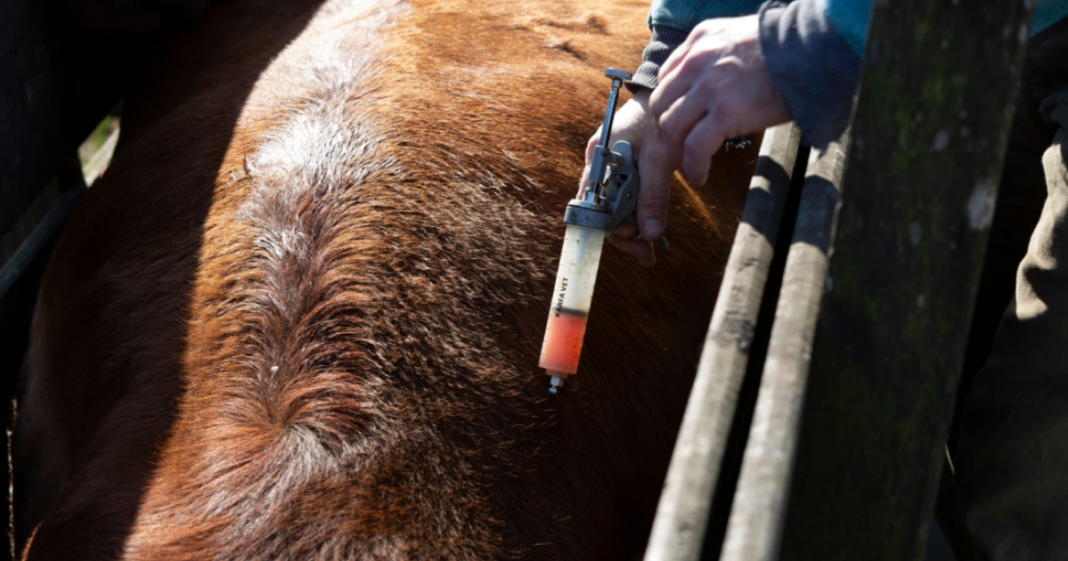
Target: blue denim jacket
812	49
686	14
849	17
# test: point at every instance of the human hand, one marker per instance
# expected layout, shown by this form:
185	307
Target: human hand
714	86
633	124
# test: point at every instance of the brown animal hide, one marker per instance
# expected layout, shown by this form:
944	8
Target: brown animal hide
300	316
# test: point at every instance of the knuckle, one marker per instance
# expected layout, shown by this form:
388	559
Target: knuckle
655	204
689	65
708	85
729	64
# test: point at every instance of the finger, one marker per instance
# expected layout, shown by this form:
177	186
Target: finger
655	175
673	61
591	145
702	142
624	230
676	123
681	52
670	87
642	250
584	182
674	83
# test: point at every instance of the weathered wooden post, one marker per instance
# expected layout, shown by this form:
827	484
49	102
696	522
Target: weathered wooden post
682	515
758	512
930	130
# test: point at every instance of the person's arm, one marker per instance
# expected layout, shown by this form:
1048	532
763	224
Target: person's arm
670	22
729	77
813	50
804	45
663	41
813	66
715	85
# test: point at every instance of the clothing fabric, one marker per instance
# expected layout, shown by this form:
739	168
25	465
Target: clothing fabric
663	41
812	50
850	18
1012	452
686	14
812	67
1011	455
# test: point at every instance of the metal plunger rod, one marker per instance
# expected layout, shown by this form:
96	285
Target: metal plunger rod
600	162
610	113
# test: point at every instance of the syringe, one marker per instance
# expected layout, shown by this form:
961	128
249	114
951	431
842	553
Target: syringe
609	200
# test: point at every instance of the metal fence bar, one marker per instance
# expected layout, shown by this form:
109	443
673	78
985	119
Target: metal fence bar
758	511
46	229
682	515
930	130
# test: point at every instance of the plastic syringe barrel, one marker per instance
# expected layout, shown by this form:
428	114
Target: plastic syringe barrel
575	279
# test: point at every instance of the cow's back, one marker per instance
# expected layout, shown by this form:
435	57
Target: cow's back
300	316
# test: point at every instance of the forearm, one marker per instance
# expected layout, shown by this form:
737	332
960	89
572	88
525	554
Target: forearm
814	69
671	21
662	43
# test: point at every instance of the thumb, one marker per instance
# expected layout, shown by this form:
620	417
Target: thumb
591	145
655	175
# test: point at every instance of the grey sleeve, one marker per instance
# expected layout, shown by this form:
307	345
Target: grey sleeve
661	44
812	67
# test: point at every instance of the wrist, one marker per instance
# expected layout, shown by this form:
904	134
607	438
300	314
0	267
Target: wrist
662	43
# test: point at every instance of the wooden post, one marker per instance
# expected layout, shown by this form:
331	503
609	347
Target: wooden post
929	135
754	531
682	515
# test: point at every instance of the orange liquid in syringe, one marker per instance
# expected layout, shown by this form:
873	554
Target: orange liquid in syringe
563	342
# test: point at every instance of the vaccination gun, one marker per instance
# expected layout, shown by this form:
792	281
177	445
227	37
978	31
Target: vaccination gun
610	199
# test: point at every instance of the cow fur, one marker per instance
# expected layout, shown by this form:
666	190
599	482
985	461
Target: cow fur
300	316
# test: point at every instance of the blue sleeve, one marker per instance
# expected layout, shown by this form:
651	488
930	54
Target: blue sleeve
671	21
814	68
850	18
1047	12
662	43
686	14
812	49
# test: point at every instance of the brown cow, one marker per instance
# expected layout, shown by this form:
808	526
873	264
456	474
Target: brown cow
300	317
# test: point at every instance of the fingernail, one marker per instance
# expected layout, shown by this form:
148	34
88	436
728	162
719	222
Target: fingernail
652	229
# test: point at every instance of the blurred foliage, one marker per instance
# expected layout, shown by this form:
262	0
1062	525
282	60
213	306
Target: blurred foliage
96	138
